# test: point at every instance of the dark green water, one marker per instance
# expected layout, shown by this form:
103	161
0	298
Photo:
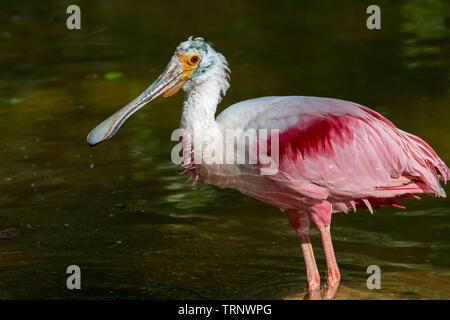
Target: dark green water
121	212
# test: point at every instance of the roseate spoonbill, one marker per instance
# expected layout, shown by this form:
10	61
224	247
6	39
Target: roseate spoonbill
333	155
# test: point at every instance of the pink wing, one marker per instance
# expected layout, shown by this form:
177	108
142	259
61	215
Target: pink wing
346	153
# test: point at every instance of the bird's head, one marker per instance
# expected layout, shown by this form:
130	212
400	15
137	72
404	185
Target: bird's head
193	63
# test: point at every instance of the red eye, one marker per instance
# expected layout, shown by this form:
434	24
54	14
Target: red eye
194	59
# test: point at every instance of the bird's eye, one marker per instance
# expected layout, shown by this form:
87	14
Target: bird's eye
194	59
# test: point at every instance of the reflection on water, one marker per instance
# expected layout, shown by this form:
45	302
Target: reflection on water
122	213
426	25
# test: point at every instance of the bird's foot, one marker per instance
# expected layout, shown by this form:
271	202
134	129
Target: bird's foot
331	287
313	288
313	295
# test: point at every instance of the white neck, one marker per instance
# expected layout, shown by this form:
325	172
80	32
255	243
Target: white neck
199	106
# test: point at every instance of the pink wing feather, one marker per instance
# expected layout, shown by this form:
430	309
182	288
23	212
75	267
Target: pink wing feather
344	152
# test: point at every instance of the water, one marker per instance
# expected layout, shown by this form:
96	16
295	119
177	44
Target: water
134	226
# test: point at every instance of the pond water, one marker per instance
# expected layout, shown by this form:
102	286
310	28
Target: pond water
122	213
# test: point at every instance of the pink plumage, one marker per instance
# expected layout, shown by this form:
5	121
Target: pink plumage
339	151
354	155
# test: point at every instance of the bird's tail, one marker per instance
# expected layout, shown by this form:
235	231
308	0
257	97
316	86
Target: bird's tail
424	162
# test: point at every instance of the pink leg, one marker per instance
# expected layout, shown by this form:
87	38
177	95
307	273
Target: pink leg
300	223
321	216
333	275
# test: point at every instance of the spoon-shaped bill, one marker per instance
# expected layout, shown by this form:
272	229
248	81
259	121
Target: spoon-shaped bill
173	76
